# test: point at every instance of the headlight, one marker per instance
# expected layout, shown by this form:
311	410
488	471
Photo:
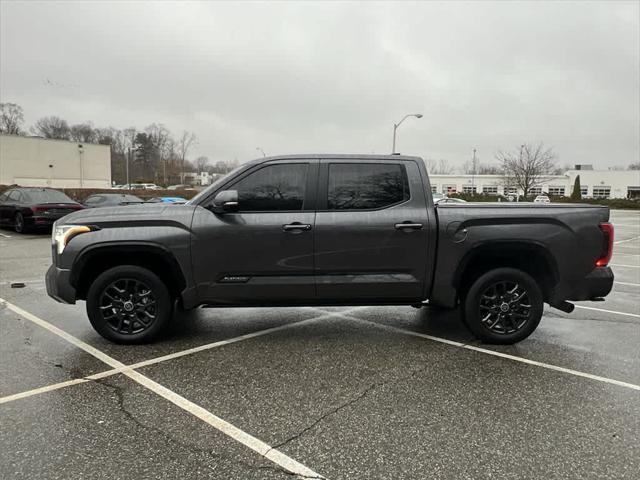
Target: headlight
62	234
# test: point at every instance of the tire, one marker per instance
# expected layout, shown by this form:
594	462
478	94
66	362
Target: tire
18	223
503	306
129	304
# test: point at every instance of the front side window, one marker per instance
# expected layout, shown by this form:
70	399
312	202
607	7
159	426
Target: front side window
273	188
365	186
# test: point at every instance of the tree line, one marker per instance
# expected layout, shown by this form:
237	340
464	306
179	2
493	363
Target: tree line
153	154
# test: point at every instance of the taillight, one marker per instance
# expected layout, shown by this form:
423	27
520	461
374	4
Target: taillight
607	247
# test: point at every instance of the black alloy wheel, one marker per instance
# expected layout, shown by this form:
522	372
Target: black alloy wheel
18	223
505	307
128	306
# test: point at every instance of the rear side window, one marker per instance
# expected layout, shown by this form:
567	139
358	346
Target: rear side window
366	186
13	195
272	188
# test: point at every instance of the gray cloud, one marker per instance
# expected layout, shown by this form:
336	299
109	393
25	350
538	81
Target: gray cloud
332	77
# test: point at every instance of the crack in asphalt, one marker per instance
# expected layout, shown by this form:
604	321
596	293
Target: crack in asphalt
347	404
184	445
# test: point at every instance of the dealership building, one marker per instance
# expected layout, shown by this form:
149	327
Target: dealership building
593	183
40	162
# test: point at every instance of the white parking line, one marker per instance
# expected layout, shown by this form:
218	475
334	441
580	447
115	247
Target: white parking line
497	354
218	423
164	358
627	240
5	236
608	311
624	266
629	284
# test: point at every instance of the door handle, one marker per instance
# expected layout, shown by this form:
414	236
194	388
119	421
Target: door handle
296	226
408	225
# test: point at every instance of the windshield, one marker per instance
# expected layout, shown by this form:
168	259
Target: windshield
46	196
214	185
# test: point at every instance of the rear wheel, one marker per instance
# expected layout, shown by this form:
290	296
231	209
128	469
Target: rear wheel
503	306
129	304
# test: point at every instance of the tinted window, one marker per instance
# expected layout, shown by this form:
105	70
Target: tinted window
13	195
275	187
46	196
360	186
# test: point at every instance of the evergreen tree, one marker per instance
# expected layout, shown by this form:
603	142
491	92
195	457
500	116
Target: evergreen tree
576	194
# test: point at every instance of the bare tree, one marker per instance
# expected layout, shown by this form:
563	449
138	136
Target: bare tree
488	169
527	167
185	142
83	132
438	167
52	127
201	163
161	138
11	118
634	166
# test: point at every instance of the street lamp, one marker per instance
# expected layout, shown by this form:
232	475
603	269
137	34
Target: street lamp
396	125
261	151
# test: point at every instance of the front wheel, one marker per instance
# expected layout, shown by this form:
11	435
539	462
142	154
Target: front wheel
129	304
503	306
18	223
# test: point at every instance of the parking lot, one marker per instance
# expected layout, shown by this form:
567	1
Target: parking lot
359	393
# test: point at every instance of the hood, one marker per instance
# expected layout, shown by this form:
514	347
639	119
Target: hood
132	215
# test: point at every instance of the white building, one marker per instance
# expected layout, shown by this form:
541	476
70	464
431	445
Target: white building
593	183
40	162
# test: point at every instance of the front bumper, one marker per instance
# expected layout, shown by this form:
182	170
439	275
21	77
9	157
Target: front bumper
596	284
59	285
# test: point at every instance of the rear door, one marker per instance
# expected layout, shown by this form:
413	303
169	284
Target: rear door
262	254
371	233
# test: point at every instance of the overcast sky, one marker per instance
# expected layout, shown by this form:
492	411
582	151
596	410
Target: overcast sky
333	77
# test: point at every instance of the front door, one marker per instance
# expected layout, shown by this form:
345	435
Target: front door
262	254
371	232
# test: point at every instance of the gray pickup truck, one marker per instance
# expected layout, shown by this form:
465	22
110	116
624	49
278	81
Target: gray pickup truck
330	230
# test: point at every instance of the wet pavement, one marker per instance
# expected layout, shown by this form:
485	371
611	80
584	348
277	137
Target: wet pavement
370	392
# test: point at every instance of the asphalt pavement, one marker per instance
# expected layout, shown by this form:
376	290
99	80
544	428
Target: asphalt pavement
339	393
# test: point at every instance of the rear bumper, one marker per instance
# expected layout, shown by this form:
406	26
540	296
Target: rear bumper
41	221
595	285
59	286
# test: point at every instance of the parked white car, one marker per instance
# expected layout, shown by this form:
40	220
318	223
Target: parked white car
542	199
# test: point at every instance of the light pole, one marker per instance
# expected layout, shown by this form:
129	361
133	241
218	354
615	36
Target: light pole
473	173
396	125
80	152
261	151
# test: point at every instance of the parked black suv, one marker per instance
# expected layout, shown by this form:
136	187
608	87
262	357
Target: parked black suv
330	230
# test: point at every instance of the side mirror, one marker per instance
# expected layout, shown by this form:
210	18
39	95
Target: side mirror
225	201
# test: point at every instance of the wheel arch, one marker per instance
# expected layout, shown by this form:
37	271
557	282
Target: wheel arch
96	259
528	256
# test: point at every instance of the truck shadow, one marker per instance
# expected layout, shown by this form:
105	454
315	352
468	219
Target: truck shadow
444	323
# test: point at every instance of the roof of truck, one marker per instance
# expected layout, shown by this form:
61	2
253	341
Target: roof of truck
341	156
